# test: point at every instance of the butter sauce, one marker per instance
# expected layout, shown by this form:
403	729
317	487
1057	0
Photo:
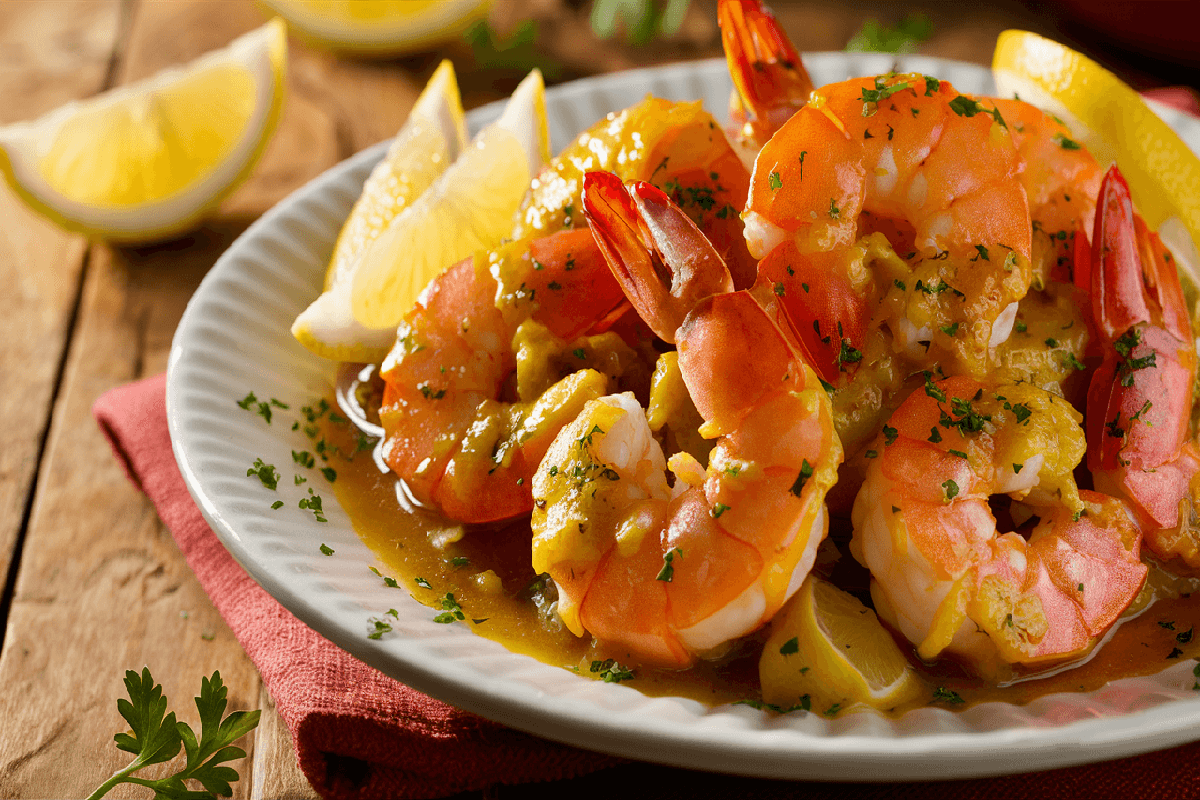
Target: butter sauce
487	570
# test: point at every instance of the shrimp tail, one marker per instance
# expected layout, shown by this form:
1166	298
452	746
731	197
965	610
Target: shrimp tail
1140	398
664	263
769	79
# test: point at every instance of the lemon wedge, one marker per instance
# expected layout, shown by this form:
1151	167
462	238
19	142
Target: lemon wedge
1116	124
469	207
379	27
827	651
149	160
429	141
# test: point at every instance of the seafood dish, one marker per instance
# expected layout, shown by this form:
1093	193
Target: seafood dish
879	395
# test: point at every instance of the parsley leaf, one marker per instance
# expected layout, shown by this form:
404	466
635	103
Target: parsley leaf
156	738
944	695
611	671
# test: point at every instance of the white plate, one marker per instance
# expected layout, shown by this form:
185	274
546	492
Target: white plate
234	338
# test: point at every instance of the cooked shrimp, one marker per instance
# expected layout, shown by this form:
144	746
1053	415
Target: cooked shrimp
678	147
672	574
454	431
770	83
1140	400
1061	179
945	576
934	170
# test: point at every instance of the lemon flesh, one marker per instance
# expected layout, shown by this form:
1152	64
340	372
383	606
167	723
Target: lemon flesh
828	651
1115	123
469	207
429	141
149	160
379	27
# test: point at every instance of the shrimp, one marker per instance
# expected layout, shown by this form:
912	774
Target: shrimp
1140	399
942	572
1061	179
933	170
498	324
670	574
679	147
770	83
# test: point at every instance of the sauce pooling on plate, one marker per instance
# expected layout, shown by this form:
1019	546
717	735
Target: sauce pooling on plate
486	572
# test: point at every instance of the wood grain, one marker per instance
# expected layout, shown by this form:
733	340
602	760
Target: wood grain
49	53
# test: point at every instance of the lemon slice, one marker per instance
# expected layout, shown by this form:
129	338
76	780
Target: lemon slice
379	27
1115	124
469	207
826	645
429	141
149	160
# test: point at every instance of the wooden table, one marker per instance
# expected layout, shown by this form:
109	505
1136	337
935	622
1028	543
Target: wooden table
93	583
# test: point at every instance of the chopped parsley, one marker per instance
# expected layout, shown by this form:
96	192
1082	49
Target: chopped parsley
943	695
889	434
1066	143
806	472
790	647
265	473
667	573
313	504
451	610
611	671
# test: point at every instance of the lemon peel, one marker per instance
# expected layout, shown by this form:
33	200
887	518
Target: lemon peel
1113	121
379	27
827	646
431	138
470	207
148	161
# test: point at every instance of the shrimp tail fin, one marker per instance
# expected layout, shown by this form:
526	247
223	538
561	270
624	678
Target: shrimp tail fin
769	79
1134	280
663	262
1140	398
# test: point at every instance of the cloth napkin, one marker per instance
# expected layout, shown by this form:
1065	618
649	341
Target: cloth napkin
360	734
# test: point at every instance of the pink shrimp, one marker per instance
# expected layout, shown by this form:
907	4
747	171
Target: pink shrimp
454	432
942	572
1140	399
936	172
770	82
669	574
1061	179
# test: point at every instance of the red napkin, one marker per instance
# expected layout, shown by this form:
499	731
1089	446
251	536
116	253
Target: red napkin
357	733
360	734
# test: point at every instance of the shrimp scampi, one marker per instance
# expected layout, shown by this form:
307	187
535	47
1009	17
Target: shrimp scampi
674	572
945	575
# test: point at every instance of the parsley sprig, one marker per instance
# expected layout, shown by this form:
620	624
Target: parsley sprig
155	738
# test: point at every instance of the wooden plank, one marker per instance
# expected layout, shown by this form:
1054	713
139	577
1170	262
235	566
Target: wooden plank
101	586
51	53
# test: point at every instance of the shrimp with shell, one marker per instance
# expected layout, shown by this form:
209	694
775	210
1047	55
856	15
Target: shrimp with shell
672	573
1139	404
935	172
945	574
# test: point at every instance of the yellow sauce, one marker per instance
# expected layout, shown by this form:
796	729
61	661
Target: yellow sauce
416	549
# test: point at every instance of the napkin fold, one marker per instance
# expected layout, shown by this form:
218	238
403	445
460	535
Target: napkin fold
357	732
